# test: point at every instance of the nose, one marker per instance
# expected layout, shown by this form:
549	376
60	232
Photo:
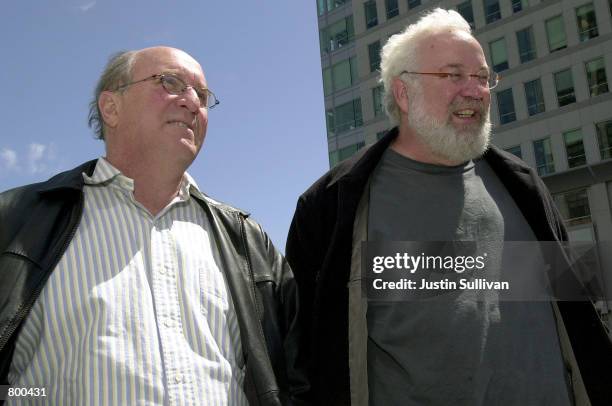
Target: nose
189	99
474	89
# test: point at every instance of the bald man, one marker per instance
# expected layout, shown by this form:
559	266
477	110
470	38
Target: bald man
122	283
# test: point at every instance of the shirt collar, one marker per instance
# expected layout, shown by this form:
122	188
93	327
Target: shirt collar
105	173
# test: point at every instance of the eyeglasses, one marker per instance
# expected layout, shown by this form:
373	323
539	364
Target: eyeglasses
484	78
175	85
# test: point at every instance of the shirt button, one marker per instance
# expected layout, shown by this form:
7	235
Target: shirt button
178	378
162	271
168	323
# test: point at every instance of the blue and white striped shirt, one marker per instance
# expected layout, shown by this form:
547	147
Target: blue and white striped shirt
137	310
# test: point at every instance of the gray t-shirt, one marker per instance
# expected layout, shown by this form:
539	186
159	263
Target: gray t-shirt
464	348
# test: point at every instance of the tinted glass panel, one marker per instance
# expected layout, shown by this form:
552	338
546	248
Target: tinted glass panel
374	55
371	15
565	87
505	104
604	136
465	9
535	97
392	8
499	57
555	32
596	77
574	148
587	24
544	157
492	12
526	44
516	151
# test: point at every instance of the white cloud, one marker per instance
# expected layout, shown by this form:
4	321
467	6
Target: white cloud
87	6
39	157
8	159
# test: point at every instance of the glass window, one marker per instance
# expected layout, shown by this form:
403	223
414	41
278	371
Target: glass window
339	155
337	35
332	4
604	136
413	3
491	9
344	117
327	82
329	122
574	207
371	15
499	57
354	71
333	159
392	8
516	151
564	84
574	148
321	7
505	105
466	11
377	99
555	32
587	24
544	157
535	97
347	152
324	40
374	55
518	5
596	76
341	74
526	44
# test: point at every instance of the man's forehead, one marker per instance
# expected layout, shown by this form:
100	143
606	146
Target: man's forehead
452	49
169	60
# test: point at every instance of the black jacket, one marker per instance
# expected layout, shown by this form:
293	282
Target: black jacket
319	250
37	222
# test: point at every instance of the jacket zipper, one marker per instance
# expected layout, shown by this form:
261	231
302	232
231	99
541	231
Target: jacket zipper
23	312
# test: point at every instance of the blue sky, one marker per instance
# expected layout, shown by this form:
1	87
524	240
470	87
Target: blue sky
266	141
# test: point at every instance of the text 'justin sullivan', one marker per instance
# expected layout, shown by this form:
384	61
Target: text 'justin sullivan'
444	284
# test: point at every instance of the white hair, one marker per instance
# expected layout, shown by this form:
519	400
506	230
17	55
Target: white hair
400	52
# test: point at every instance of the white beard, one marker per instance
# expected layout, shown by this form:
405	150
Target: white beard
442	139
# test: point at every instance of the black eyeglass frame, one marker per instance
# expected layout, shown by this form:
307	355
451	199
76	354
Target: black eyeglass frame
162	76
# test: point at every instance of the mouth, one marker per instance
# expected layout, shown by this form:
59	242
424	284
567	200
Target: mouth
465	113
181	124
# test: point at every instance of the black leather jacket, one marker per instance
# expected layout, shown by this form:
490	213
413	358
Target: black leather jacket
37	222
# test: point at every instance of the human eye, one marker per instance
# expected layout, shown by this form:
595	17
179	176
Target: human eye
453	76
483	75
173	84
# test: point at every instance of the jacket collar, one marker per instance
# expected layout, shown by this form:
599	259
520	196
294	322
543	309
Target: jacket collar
72	179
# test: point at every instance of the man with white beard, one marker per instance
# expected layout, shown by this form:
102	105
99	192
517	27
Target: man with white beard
434	178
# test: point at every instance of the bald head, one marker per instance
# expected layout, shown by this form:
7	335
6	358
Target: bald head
120	69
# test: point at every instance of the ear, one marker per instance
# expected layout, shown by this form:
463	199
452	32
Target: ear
109	104
398	87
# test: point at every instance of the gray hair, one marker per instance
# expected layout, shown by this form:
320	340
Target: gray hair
400	52
118	71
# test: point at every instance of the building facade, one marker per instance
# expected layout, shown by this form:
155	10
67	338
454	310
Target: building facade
552	108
